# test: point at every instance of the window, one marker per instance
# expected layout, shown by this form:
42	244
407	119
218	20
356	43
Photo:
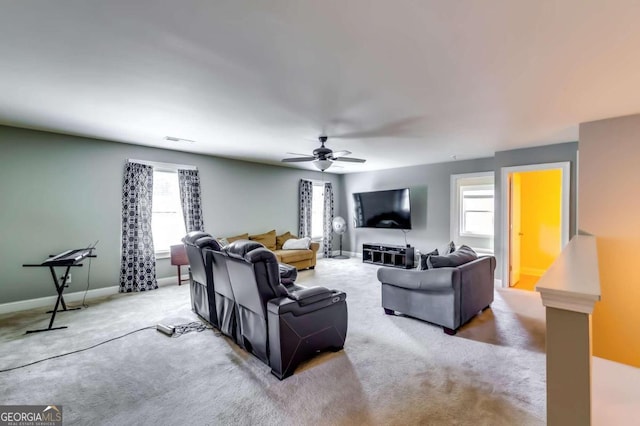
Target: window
476	212
317	211
167	221
472	210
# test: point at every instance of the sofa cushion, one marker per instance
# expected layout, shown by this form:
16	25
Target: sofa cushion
297	244
268	239
238	237
424	258
280	239
449	248
459	257
292	256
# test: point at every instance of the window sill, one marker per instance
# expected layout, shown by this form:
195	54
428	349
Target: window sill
475	235
164	254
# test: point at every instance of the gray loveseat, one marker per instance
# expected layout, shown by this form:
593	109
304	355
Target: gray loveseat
447	296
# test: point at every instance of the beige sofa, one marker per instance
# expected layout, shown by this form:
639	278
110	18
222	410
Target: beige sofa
301	259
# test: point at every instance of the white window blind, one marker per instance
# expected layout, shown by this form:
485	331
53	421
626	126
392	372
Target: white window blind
167	221
317	211
477	210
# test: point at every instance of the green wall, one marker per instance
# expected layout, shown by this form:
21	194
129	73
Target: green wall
60	192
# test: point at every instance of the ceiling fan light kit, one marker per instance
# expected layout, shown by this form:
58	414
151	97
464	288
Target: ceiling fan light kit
322	165
323	157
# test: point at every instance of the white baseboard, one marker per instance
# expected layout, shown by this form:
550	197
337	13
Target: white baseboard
172	280
49	301
344	252
497	283
77	296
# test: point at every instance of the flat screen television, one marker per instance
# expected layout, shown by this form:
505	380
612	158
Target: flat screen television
383	209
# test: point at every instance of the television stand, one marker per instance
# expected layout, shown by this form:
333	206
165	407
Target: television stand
388	255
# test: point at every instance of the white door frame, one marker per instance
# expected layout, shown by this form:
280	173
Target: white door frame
565	166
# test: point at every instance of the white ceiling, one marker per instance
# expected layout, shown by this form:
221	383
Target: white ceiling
411	82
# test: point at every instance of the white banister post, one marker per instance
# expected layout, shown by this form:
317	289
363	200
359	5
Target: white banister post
569	291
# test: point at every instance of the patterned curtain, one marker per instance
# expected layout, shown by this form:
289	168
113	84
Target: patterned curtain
190	198
138	262
306	191
327	229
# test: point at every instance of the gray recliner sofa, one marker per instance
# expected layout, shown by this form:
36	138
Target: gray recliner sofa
448	296
281	325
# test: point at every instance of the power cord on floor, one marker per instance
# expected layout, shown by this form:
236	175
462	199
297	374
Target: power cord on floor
196	326
179	331
78	350
88	282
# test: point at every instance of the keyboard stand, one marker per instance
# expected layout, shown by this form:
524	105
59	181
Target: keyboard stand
60	286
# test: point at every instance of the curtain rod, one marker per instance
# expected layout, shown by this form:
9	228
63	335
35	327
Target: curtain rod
317	180
170	166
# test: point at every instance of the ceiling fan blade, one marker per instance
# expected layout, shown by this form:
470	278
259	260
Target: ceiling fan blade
408	127
350	160
341	153
298	154
297	159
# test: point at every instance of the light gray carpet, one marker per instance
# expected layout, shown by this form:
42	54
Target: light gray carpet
393	370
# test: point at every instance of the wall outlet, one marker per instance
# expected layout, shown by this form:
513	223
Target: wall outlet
68	279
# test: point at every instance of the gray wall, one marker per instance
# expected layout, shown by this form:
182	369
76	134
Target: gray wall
521	157
430	196
430	202
60	192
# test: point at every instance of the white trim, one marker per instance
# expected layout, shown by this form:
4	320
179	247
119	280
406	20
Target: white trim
573	281
345	253
49	301
581	303
497	283
163	166
454	204
565	167
166	281
76	296
163	254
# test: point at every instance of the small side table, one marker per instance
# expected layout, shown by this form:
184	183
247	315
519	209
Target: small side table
179	258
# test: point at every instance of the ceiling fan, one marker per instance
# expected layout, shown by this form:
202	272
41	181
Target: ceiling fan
324	157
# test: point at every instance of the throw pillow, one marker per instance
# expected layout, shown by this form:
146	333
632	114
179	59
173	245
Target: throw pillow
459	257
422	265
280	239
297	244
451	247
268	239
238	237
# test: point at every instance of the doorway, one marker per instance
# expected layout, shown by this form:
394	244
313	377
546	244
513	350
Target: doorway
536	221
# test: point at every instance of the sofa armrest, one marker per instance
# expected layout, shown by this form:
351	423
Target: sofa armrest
314	246
307	296
309	300
439	279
